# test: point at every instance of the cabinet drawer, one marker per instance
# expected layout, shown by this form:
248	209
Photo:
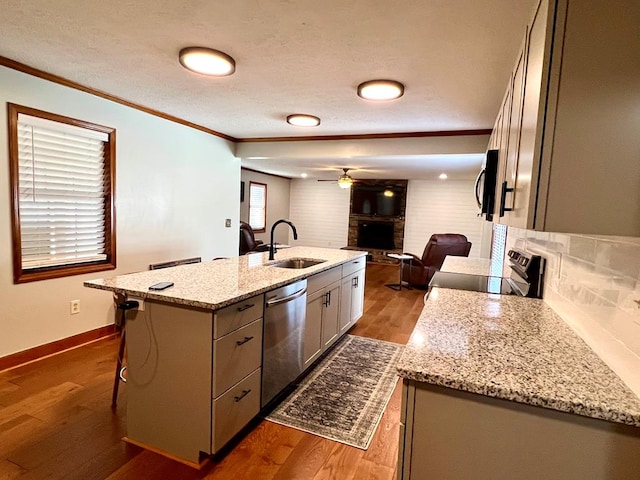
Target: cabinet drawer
321	280
353	266
235	409
234	316
236	355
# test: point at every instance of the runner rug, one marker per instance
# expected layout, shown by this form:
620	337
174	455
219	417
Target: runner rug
344	396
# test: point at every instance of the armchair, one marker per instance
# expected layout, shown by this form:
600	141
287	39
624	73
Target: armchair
420	270
248	242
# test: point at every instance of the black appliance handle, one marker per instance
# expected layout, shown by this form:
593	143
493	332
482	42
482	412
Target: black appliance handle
503	198
477	190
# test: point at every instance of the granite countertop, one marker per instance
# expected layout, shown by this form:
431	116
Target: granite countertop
516	349
219	283
471	266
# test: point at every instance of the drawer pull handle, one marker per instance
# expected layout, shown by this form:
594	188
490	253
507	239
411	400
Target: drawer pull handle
242	342
242	395
246	306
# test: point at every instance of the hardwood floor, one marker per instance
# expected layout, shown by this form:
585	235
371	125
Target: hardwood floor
56	420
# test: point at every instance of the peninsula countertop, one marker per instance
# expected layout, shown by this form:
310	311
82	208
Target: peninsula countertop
513	348
219	283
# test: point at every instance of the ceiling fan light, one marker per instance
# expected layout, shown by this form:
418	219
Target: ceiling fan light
303	120
345	181
380	90
207	61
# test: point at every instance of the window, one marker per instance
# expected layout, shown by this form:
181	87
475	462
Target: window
62	175
258	206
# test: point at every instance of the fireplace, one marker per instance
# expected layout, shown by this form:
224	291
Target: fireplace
375	234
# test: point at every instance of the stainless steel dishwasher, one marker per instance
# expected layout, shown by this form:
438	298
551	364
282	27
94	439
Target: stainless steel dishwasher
284	316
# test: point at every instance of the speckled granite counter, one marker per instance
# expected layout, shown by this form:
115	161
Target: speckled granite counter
471	266
516	349
220	283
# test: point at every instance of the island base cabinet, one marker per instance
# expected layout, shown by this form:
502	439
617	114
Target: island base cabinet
169	351
455	435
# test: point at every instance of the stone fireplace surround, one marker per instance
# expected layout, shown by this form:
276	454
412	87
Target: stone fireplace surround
379	255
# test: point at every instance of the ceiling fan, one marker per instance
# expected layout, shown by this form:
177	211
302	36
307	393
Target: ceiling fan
345	180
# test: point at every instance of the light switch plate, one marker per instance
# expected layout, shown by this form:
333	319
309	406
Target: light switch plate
227	222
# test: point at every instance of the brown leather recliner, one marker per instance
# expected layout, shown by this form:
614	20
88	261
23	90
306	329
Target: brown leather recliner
248	242
420	270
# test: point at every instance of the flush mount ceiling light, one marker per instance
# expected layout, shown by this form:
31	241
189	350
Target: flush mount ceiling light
380	90
303	120
443	176
207	61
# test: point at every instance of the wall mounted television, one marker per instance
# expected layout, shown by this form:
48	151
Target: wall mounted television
377	200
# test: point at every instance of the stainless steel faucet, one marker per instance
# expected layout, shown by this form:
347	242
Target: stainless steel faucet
272	245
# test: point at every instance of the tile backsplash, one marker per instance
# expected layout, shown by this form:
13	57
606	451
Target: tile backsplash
593	282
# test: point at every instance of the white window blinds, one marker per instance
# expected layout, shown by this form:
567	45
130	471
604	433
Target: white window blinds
257	205
62	184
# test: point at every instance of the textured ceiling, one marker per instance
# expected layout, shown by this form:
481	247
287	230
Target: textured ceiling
454	56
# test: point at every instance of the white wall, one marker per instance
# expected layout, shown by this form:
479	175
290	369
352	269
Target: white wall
442	207
277	203
173	191
320	212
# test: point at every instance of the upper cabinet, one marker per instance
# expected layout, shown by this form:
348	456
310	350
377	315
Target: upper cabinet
568	130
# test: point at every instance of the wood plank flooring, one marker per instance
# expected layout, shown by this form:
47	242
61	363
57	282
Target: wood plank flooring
56	421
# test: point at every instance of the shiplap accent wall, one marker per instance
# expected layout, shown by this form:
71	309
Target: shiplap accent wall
320	212
441	207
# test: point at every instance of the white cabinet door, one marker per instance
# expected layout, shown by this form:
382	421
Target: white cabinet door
345	304
357	297
312	342
331	315
352	304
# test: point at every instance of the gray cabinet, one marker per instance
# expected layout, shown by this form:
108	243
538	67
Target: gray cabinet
447	433
323	303
352	303
193	376
570	163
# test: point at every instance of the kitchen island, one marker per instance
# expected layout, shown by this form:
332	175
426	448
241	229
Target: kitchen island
195	350
500	387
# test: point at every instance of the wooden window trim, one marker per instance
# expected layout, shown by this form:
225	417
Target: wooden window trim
43	273
259	230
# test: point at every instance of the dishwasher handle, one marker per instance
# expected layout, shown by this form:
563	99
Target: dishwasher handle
278	301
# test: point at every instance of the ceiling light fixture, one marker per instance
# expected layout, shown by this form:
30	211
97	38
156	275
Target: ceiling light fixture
380	90
303	120
388	193
207	61
345	181
303	175
443	176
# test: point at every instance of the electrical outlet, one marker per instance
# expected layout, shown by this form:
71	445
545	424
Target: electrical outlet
74	307
227	223
140	302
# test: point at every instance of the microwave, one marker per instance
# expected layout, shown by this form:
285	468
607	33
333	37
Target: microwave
485	187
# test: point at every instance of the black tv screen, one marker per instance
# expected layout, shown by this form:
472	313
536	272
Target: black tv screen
376	200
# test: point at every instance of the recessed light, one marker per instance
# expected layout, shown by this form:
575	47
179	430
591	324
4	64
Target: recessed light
303	175
380	90
443	176
303	120
388	193
207	61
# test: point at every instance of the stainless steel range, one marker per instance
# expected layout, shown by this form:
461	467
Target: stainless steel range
526	278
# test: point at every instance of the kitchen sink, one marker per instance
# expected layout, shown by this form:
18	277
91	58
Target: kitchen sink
297	263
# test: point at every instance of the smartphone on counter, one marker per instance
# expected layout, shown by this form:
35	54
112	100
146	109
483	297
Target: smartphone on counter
161	286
